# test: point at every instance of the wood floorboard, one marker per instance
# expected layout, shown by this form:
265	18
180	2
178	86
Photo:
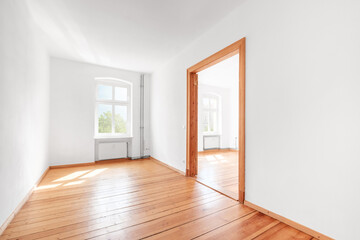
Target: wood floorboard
146	228
115	209
283	232
203	225
60	221
243	228
109	196
137	199
219	170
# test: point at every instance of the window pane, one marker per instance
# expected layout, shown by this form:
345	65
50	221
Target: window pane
213	121
206	121
121	94
206	102
120	119
104	92
105	118
213	103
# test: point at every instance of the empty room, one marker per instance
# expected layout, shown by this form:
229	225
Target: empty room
218	127
164	119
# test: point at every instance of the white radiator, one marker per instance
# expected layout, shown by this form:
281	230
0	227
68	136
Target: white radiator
111	150
211	142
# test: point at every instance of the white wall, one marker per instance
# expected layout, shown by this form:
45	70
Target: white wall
72	110
302	108
24	97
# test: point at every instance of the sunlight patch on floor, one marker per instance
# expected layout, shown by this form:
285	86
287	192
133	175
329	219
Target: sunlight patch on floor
72	176
93	173
75	178
47	186
74	183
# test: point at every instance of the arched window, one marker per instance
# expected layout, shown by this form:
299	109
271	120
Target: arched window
210	113
113	107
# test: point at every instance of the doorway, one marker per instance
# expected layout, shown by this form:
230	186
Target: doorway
218	123
236	155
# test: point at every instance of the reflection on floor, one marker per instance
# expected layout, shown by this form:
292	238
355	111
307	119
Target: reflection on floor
218	169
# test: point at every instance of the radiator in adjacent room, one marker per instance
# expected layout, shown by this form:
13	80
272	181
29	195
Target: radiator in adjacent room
211	142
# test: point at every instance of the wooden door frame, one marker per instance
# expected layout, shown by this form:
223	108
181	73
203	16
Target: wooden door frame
192	111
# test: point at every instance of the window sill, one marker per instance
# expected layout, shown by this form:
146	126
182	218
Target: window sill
113	137
211	134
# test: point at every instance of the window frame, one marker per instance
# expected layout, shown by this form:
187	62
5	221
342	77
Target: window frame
210	110
114	82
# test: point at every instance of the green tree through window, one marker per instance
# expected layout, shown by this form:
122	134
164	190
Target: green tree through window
105	123
120	124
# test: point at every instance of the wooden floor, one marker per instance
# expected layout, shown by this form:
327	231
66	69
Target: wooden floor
219	169
135	200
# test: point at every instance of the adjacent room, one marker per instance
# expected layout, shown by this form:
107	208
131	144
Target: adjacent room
164	119
218	126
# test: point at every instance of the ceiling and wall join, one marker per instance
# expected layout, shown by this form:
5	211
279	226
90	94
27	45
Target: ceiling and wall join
132	35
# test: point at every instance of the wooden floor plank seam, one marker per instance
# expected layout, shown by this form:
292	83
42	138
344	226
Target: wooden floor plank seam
262	230
112	224
170	179
147	202
77	200
115	233
116	201
223	176
103	213
245	216
137	200
100	188
96	218
156	218
197	219
102	183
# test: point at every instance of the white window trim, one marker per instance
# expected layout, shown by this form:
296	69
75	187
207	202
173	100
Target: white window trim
114	82
217	110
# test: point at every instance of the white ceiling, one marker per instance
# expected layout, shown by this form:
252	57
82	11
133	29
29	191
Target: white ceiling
225	74
137	35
